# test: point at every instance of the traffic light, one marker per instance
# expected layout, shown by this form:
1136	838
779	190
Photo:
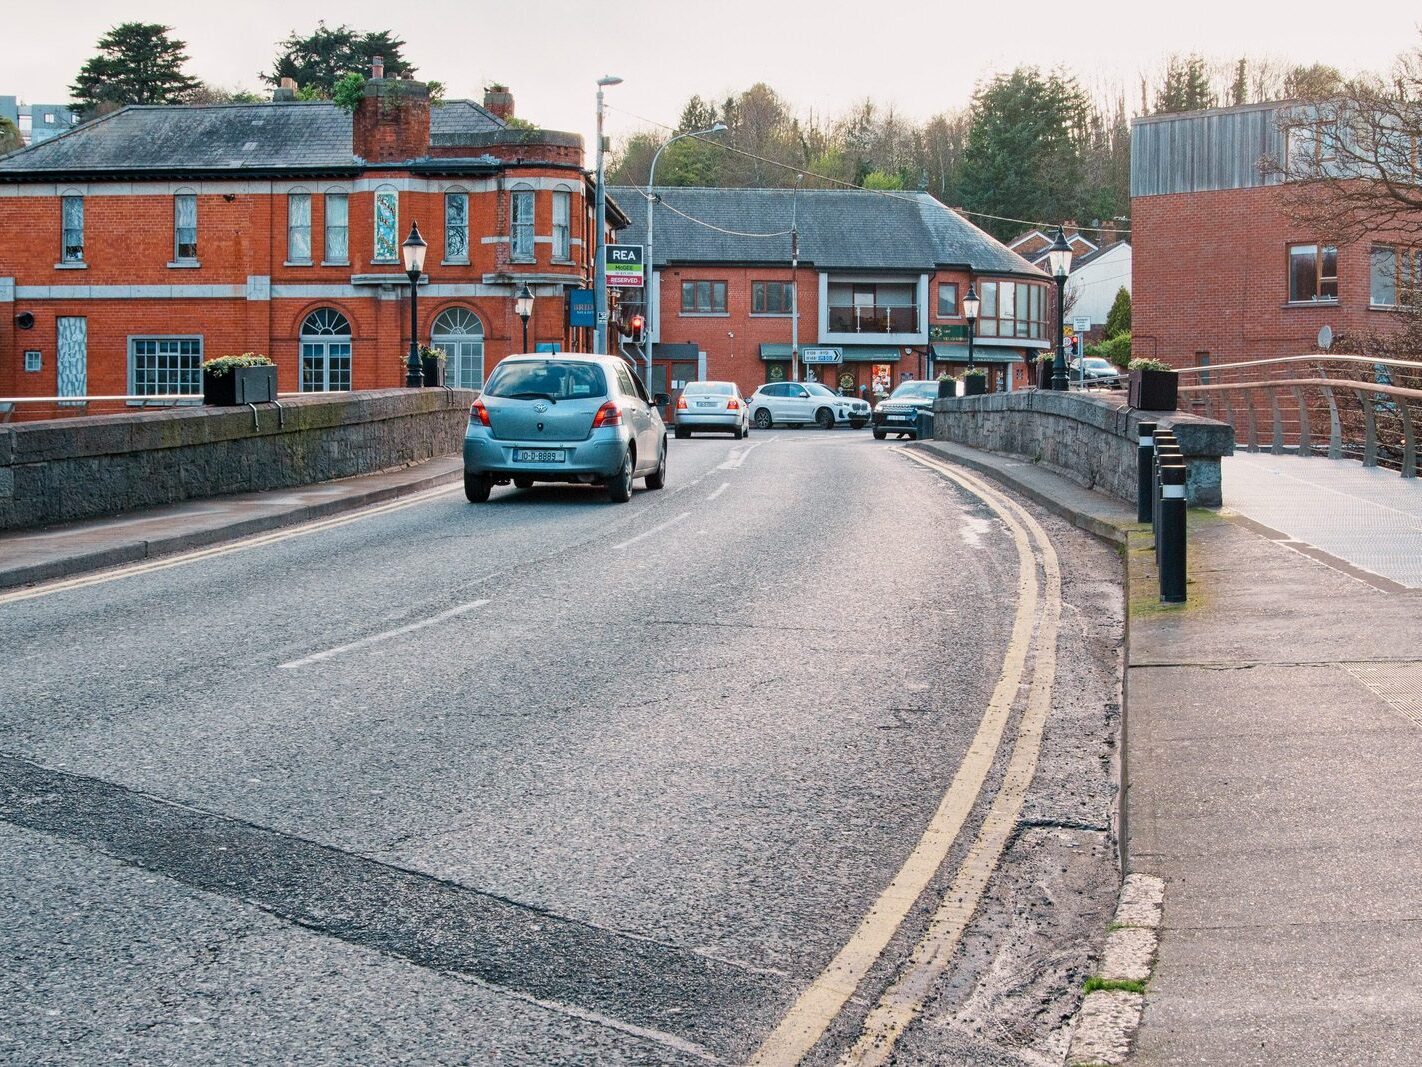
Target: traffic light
637	329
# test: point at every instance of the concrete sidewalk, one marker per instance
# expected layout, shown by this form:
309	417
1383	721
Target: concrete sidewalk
28	556
1273	736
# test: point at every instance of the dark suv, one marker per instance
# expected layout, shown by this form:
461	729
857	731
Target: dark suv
898	413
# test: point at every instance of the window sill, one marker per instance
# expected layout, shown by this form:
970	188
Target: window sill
705	314
71	266
184	264
1386	307
335	263
384	262
454	263
772	314
1311	303
298	263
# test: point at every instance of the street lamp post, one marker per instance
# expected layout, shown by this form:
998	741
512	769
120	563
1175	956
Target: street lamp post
523	307
413	251
653	321
1059	260
599	264
971	306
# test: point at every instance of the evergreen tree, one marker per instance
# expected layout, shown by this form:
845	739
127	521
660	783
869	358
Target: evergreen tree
319	60
137	63
1186	87
1118	319
10	139
1239	88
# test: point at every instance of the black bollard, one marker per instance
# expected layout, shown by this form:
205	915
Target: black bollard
1145	471
1172	534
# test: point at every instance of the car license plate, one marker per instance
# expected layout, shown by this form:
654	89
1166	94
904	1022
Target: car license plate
707	404
538	455
898	418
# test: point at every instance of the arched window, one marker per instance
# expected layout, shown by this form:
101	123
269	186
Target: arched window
460	334
325	351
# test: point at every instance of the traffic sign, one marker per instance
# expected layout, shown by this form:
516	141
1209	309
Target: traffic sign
624	267
1081	323
820	355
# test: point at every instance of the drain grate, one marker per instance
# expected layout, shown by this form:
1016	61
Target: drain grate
1398	684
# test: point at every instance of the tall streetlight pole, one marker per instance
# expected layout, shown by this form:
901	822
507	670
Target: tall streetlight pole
413	252
1059	260
599	264
523	308
971	306
653	319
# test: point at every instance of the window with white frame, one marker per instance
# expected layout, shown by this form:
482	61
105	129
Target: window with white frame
456	227
72	241
298	228
521	224
337	246
325	352
185	247
562	222
164	365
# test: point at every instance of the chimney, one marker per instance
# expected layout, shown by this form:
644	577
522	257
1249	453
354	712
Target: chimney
377	66
499	102
284	92
392	119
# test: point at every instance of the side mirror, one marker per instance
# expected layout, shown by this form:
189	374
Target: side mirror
661	400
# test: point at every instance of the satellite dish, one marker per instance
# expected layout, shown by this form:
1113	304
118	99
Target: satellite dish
1325	338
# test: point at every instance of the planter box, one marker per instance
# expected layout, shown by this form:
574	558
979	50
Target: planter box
434	371
1153	390
947	387
1044	374
240	385
975	385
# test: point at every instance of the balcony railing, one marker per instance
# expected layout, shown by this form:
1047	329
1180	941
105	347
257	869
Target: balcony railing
873	318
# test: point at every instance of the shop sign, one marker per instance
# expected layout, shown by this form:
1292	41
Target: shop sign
624	266
820	355
582	308
947	333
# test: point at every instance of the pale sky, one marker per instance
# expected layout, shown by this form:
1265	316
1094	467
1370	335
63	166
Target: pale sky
922	57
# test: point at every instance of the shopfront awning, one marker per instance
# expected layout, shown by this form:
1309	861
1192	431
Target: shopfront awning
981	354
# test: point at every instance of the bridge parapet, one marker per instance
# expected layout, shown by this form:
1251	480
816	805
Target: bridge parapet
1089	437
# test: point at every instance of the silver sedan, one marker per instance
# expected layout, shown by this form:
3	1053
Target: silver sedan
716	406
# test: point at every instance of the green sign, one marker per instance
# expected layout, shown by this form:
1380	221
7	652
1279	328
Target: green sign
624	266
947	333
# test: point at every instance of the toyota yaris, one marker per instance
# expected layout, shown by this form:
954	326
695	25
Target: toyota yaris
564	418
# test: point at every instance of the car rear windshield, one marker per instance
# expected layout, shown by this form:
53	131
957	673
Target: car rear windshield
916	391
550	379
715	388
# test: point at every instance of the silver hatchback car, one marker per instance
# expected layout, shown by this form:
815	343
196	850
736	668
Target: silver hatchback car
564	417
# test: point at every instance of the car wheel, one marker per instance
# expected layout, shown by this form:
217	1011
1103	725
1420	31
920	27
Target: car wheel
658	477
619	486
879	435
477	487
682	433
738	433
523	483
762	419
824	419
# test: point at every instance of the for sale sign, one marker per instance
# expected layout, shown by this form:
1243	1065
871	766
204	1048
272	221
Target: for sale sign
624	267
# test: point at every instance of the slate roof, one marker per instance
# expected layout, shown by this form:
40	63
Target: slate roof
849	229
312	136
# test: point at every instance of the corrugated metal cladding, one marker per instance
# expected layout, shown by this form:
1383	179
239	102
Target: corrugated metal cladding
1204	150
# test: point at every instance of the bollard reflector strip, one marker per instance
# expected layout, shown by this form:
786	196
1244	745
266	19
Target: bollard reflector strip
1172	492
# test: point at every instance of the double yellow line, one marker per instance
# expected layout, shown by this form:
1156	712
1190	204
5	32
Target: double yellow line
821	1003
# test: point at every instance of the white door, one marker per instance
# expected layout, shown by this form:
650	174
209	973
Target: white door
460	335
72	357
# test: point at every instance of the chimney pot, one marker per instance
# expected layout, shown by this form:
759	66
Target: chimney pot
377	66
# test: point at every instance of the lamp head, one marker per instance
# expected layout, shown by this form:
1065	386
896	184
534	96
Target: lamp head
413	251
523	302
609	79
971	304
1059	255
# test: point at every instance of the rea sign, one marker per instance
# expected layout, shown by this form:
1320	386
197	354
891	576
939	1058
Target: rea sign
624	267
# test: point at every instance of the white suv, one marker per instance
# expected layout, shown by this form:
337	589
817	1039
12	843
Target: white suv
801	403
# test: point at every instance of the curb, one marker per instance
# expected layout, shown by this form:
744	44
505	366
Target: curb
1109	1017
133	551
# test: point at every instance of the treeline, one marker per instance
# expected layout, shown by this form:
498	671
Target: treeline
1031	145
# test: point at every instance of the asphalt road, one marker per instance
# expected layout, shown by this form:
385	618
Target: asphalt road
544	780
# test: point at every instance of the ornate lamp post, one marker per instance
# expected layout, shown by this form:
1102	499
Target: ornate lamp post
1059	260
523	307
971	306
599	264
413	251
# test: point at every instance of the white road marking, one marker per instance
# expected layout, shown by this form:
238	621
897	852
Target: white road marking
718	492
738	456
655	529
433	620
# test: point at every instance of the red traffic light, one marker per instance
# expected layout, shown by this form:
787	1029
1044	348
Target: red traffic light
637	328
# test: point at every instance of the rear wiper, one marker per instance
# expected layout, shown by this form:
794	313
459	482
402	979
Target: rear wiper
534	396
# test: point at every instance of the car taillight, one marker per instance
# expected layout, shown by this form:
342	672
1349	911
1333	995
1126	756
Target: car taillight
681	403
733	404
608	415
478	411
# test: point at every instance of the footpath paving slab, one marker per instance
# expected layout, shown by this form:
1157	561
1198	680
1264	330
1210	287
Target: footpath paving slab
28	556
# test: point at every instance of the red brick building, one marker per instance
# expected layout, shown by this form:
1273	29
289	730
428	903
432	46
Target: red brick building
1220	272
141	243
881	278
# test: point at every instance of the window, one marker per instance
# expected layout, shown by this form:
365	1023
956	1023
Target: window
336	248
164	365
1012	309
521	224
33	360
1313	273
558	379
459	334
72	241
624	381
1309	144
772	298
298	228
562	215
873	307
387	223
325	352
703	298
185	227
456	227
947	300
1396	275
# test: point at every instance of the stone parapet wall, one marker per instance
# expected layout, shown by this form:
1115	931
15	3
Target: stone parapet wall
1090	437
69	469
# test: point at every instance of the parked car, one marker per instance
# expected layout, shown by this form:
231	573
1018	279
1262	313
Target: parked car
1097	371
564	417
801	403
898	412
715	406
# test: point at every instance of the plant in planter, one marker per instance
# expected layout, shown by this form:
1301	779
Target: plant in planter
434	361
947	385
246	379
1044	370
1152	385
975	382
